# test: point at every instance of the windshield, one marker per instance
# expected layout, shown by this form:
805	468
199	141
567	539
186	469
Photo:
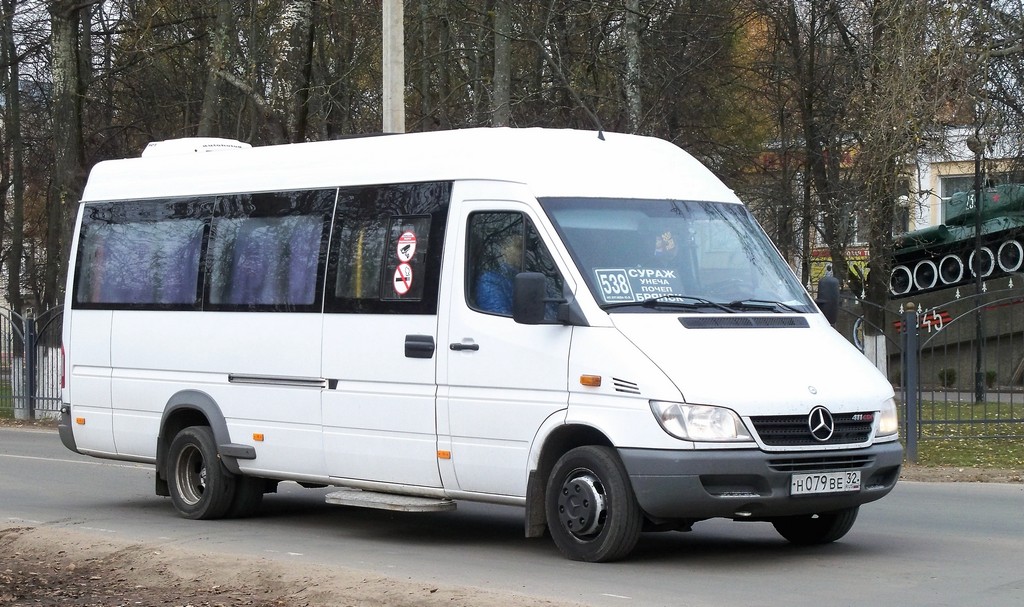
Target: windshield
672	254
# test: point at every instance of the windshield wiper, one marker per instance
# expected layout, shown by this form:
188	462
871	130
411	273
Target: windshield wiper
761	304
673	301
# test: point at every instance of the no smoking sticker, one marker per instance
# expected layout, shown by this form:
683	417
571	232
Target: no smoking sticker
406	246
403	278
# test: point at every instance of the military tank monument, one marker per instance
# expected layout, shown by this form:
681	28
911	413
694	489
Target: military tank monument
946	255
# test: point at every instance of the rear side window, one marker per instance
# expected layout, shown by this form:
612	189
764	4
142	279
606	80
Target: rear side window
267	251
386	256
143	254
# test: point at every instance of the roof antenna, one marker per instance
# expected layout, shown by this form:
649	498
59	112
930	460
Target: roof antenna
572	92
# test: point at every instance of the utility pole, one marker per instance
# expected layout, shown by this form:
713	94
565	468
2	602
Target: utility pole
394	67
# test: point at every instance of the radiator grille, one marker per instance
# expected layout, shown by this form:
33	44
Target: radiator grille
794	431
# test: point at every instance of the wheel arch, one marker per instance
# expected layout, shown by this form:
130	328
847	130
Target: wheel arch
560	441
184	409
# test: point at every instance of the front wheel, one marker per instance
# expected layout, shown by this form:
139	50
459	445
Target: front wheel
200	486
812	529
591	510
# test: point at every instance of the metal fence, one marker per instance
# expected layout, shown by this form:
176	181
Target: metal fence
30	364
955	359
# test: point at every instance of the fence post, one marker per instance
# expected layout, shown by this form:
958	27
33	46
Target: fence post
30	362
910	376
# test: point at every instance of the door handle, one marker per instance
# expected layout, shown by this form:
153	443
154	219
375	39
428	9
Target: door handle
458	347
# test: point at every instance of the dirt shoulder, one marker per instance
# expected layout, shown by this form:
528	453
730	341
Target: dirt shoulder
51	567
936	474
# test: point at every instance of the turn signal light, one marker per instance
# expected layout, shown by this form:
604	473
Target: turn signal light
442	454
257	436
593	381
80	421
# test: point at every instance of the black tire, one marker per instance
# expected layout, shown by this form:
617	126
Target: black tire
591	510
200	486
812	529
248	497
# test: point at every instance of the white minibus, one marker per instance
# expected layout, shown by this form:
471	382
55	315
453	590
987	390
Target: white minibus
588	325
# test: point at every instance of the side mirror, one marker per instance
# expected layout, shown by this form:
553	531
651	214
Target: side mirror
528	298
828	298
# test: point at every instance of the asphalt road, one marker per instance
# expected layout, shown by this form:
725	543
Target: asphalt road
925	544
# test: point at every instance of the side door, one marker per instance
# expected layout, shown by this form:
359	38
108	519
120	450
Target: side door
380	334
502	381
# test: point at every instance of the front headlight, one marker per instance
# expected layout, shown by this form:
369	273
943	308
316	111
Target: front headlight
700	422
888	420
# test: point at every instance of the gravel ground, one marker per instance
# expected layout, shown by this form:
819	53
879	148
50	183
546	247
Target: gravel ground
55	567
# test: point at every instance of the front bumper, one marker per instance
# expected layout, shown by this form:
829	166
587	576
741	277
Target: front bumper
752	484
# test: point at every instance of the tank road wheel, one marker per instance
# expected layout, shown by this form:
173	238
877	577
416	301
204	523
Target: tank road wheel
812	529
901	281
951	269
591	510
926	275
200	486
1010	256
985	263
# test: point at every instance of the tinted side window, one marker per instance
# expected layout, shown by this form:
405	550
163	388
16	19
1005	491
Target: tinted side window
267	251
502	244
141	255
386	256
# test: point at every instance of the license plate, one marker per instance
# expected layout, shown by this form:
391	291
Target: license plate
825	482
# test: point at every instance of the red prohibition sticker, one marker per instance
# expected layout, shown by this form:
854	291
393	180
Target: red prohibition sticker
406	246
403	278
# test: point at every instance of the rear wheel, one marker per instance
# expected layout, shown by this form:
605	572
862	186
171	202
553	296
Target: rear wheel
591	510
821	528
200	486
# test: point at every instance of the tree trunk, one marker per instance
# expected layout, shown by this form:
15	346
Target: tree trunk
294	48
501	105
69	155
13	179
218	61
632	76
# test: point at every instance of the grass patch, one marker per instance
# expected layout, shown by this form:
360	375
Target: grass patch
1001	453
972	435
6	398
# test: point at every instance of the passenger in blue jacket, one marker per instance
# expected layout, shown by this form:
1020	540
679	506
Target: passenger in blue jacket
494	286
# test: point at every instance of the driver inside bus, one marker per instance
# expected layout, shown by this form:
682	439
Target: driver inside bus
494	285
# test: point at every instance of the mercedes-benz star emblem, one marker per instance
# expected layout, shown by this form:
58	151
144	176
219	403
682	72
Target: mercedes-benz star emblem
821	424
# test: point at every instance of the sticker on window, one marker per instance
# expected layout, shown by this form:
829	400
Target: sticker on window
637	284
